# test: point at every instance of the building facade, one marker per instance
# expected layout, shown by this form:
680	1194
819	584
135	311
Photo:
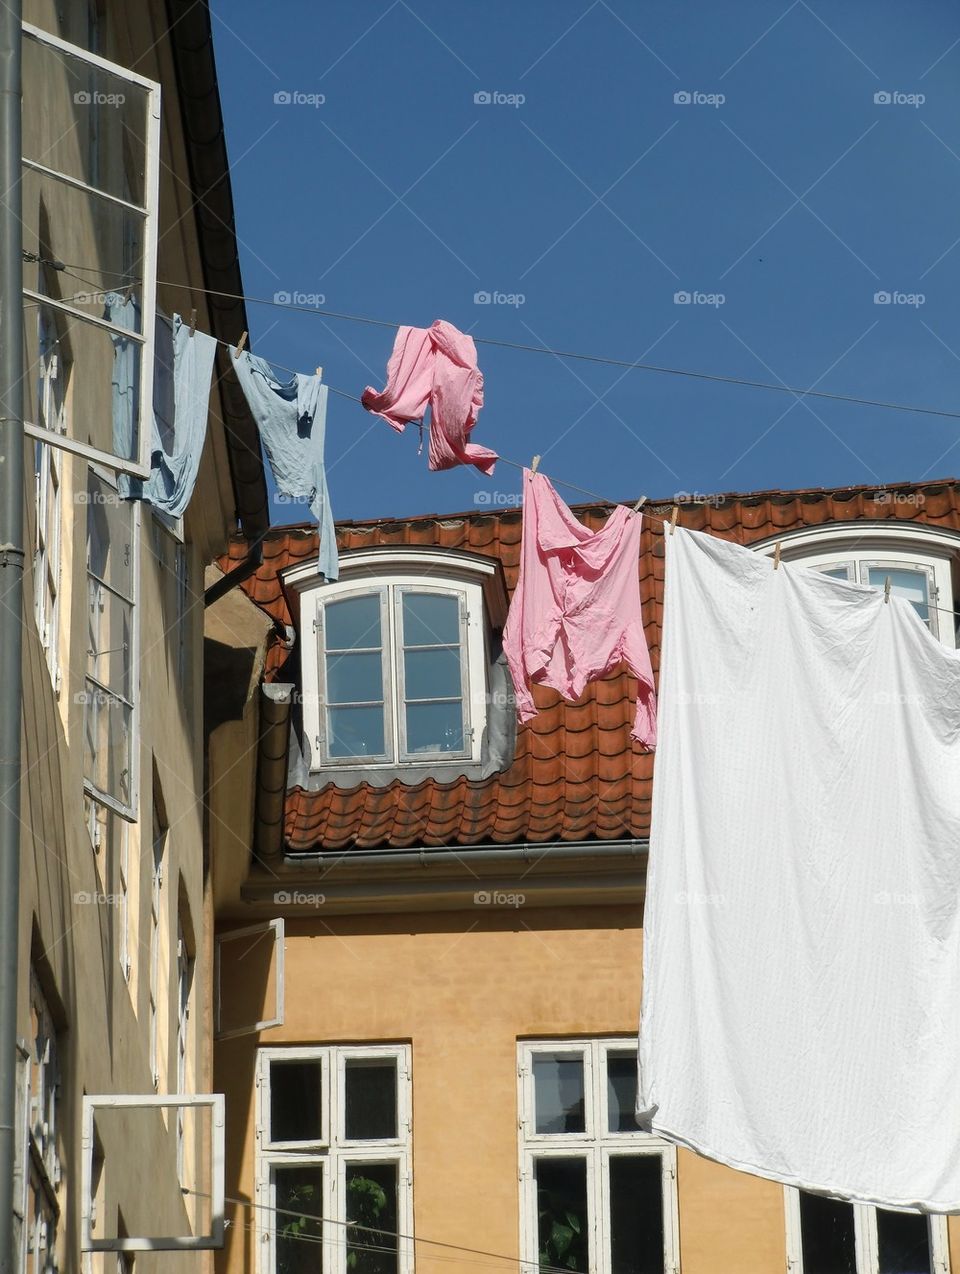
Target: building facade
430	921
115	948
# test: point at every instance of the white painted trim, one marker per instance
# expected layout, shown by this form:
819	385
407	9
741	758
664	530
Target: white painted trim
279	946
865	1232
596	1144
164	1243
334	1156
862	532
84	55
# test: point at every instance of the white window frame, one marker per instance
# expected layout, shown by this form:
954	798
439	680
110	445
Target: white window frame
41	1221
276	929
865	1235
139	467
473	670
186	970
49	503
154	1243
334	1151
159	837
596	1144
123	900
908	546
107	798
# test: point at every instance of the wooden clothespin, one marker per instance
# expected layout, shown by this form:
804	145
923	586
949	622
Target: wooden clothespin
320	372
776	556
193	322
639	504
242	342
673	518
534	464
886	589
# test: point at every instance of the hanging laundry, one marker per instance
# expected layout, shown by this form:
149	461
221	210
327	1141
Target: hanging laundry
292	418
435	367
801	955
182	372
575	614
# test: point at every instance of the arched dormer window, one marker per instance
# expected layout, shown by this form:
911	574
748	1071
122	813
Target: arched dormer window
919	560
395	657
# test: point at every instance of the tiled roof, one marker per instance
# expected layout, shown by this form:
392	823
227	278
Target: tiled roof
576	774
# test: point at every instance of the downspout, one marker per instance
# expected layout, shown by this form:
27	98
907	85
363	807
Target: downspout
249	566
11	596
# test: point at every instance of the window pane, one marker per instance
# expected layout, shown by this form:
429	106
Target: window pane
295	1101
353	624
432	674
562	1213
355	731
909	584
903	1241
371	1099
120	234
355	678
431	619
826	1227
435	727
558	1092
298	1190
110	639
372	1202
837	572
622	1092
109	536
104	376
636	1214
107	727
83	121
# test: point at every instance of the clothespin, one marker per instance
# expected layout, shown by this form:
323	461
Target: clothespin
673	518
776	556
534	464
639	504
886	589
193	322
242	342
320	372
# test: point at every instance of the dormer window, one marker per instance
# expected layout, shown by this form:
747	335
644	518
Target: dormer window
919	561
395	658
394	683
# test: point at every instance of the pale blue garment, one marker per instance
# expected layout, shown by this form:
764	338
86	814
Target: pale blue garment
292	418
182	370
125	378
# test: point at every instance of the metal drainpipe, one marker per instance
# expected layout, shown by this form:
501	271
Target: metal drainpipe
11	596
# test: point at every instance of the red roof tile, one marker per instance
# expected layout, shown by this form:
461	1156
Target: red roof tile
576	773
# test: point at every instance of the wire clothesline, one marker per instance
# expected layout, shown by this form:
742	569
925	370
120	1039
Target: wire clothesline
635	506
356	1227
631	365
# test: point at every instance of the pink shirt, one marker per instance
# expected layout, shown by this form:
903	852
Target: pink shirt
437	367
575	613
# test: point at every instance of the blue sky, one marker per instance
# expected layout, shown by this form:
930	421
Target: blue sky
589	190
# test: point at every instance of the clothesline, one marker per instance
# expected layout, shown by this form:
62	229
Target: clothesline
356	1227
516	464
632	365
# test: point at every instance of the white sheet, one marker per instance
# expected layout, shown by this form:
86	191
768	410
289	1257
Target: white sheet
801	988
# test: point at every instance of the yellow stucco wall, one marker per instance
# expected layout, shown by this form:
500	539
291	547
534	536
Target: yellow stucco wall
462	989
